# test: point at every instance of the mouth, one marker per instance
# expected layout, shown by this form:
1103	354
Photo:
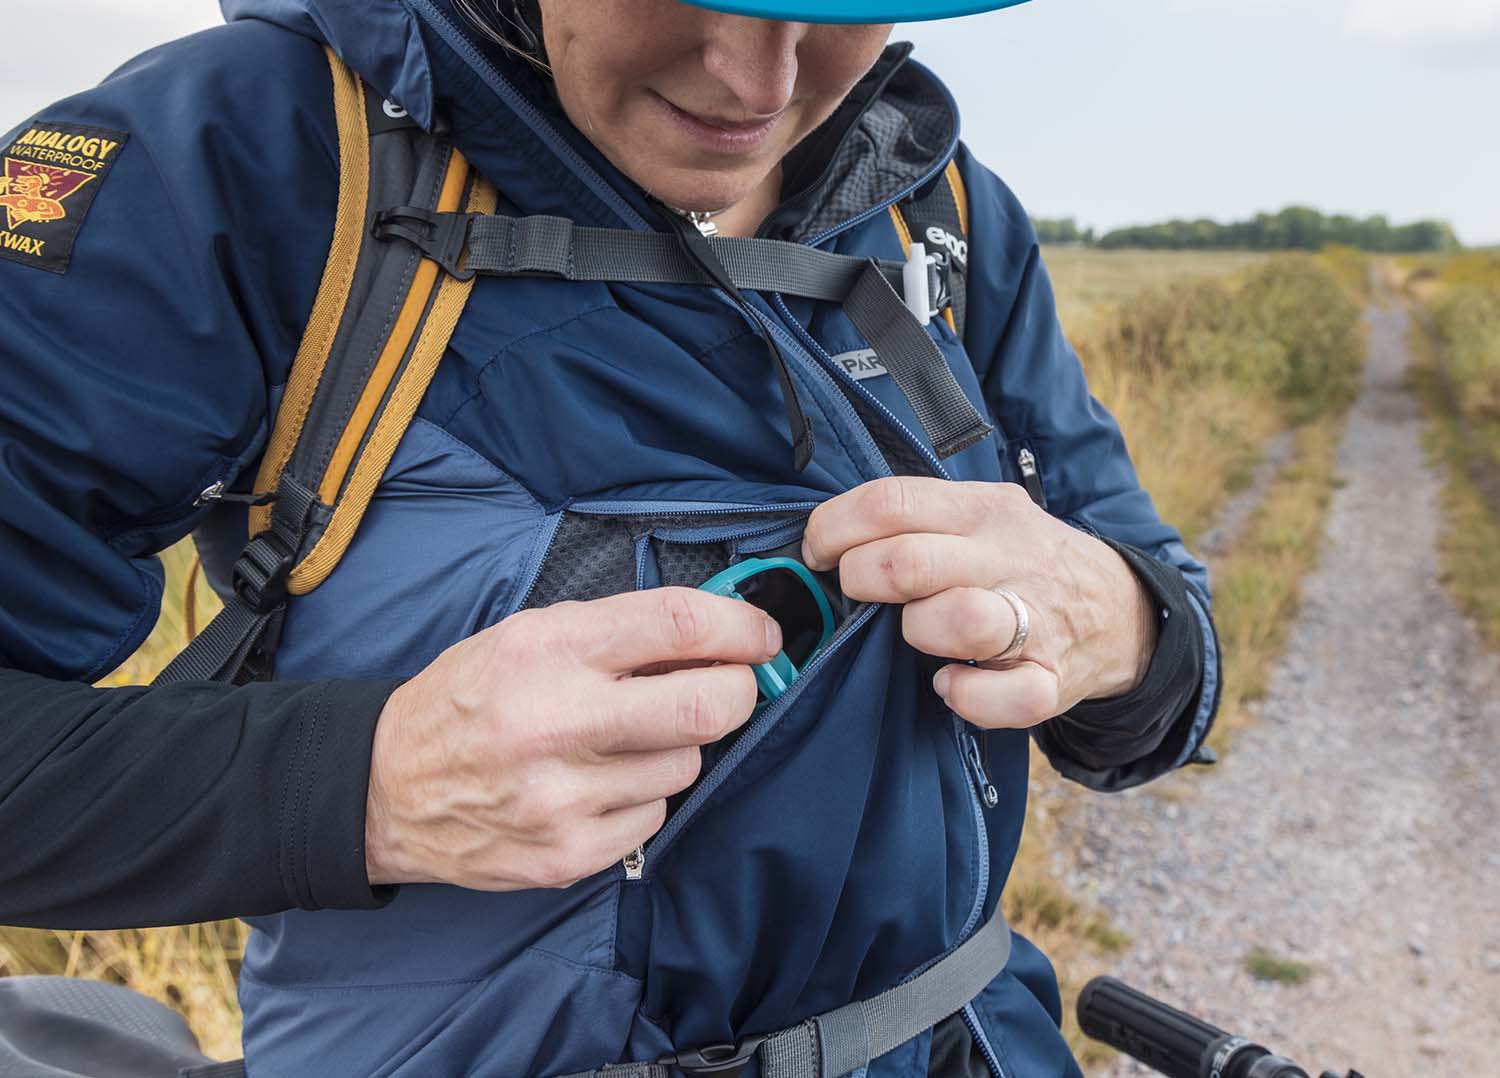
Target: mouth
718	134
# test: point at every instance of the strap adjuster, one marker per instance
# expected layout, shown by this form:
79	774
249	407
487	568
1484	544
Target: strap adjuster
261	573
441	237
721	1059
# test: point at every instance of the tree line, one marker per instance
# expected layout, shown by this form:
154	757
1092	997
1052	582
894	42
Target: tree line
1294	228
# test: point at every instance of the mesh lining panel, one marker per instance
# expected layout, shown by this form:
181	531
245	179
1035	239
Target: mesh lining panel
892	146
689	564
591	557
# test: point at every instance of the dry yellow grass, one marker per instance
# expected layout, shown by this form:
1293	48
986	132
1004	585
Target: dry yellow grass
1469	547
1194	439
1089	283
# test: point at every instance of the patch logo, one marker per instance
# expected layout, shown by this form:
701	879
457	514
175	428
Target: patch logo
861	364
47	184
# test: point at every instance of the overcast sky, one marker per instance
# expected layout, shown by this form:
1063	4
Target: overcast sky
1113	111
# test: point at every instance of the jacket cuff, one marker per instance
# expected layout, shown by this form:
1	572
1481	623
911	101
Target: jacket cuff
321	819
1123	741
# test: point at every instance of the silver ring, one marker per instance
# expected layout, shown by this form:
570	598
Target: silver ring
1023	624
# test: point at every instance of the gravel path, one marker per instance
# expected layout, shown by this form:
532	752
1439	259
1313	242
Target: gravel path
1353	826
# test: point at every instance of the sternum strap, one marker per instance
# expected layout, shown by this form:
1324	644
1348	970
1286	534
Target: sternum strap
835	1044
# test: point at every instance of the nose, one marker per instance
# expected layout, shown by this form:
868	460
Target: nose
755	59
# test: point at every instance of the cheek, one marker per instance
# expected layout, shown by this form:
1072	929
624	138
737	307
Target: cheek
834	58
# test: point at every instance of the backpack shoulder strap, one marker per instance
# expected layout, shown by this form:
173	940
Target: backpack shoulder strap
938	217
383	316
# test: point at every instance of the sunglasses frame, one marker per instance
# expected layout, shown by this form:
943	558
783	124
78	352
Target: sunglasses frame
774	677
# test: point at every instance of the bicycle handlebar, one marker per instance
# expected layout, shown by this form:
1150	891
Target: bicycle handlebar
1172	1041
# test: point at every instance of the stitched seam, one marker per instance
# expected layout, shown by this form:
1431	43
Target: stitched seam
316	751
132	637
401	986
469	450
481	371
569	963
282	824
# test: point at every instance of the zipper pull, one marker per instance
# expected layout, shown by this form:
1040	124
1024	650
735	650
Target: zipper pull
635	863
1026	461
987	789
217	493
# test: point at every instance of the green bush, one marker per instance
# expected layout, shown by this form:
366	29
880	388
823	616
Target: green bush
1467	318
1313	326
1288	327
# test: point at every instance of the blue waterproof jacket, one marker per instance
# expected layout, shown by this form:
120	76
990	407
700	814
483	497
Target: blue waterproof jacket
842	843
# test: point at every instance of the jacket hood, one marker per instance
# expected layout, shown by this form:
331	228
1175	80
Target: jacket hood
896	129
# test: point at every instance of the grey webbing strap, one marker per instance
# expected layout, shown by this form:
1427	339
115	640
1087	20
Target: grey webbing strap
843	1040
945	412
501	246
251	620
554	246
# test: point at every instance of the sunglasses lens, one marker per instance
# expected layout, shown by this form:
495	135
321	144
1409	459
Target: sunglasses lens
784	595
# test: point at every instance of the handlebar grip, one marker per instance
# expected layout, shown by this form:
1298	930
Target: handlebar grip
1176	1044
1148	1030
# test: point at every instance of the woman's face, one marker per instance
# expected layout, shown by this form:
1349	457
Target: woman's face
696	106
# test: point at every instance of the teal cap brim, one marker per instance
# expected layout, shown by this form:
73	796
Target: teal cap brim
857	11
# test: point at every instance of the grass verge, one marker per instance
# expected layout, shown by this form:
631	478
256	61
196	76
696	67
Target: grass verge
1469	546
1257	583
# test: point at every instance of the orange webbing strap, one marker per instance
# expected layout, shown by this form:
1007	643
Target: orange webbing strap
960	195
905	225
333	291
432	336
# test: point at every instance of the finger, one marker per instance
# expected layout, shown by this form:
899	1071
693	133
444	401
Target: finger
640	778
902	568
622	830
671	711
886	507
1017	697
599	846
623	632
960	623
669	665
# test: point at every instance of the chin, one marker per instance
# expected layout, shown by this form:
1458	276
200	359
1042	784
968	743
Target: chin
703	190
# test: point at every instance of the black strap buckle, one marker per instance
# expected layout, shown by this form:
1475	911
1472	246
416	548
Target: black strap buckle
940	272
722	1059
441	237
261	572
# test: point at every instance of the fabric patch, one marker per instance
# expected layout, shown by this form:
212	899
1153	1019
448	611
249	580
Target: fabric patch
51	173
861	364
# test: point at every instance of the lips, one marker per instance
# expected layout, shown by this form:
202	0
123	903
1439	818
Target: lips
718	134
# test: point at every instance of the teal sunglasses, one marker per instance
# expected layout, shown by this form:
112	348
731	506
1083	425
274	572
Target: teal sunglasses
786	590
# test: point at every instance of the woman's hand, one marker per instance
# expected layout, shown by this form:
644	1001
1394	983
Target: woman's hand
941	548
542	750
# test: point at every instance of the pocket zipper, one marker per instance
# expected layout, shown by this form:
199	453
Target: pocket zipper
634	863
1026	462
975	758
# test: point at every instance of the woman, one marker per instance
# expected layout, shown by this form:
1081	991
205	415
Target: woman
601	857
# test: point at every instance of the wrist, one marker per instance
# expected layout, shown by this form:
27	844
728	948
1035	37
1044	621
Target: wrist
381	846
1134	640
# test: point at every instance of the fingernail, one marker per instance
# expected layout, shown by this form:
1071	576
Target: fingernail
940	681
773	636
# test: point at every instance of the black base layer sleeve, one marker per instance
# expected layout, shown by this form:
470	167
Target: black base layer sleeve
134	807
1123	741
